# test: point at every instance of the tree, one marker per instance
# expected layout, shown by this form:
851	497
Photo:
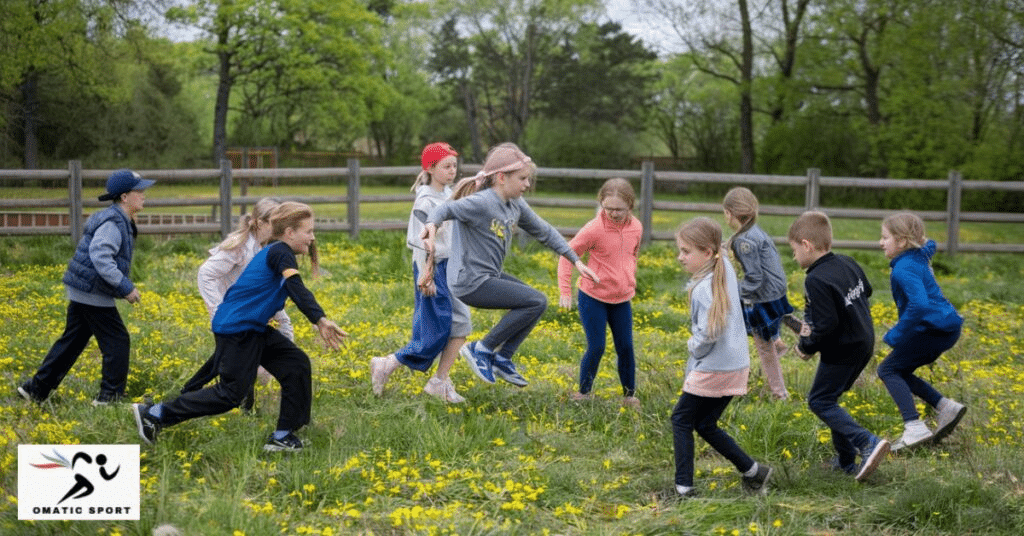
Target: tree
304	64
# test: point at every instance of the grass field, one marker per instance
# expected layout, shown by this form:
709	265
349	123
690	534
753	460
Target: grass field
510	461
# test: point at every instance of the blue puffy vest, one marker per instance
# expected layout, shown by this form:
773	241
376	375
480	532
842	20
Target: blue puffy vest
82	275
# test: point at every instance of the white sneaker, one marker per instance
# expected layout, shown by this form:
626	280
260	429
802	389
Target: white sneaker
443	389
915	433
380	369
950	413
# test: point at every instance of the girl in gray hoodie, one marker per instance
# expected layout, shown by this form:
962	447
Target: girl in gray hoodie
487	209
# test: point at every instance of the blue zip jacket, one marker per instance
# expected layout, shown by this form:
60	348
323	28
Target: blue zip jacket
919	300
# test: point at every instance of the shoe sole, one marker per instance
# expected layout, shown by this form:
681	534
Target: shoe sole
881	450
276	448
471	361
944	432
901	447
517	380
139	425
26	395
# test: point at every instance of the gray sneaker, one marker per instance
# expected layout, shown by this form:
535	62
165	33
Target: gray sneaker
758	484
950	413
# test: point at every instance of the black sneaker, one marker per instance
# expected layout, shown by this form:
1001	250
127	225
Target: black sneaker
147	425
758	484
288	443
106	399
26	392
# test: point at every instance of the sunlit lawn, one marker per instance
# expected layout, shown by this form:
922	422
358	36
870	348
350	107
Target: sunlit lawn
509	461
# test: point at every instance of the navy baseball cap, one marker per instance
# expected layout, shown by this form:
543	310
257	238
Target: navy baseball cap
123	181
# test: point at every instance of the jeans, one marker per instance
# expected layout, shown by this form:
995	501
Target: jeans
700	413
525	306
84	322
830	382
594	315
897	370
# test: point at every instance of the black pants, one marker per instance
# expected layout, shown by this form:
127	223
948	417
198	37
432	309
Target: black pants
238	356
84	322
697	413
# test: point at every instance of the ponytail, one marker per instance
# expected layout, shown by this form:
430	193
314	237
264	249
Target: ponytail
704	234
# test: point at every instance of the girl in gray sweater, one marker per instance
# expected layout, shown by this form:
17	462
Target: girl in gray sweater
487	209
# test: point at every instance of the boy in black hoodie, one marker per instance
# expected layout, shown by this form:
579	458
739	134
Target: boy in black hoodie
838	325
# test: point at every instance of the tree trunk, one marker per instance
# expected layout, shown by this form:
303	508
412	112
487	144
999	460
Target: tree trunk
220	110
746	85
30	117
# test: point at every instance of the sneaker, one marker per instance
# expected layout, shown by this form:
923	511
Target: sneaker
479	362
871	455
288	443
380	370
147	425
106	399
25	392
950	413
505	369
686	492
757	484
914	435
631	402
443	389
835	465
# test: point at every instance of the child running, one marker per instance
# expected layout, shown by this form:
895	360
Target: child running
612	240
244	341
763	287
98	274
440	322
719	360
838	325
487	209
928	325
221	269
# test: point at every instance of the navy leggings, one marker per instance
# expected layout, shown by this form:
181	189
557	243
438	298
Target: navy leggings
897	370
594	315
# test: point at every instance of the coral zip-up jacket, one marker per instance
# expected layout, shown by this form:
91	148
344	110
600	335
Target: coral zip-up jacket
613	249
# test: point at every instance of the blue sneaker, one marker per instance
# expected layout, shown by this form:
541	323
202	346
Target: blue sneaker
479	361
849	468
871	455
505	369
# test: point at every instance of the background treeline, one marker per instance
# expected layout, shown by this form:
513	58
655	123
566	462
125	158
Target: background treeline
887	88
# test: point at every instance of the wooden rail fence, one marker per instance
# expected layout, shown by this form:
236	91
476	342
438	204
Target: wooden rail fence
220	220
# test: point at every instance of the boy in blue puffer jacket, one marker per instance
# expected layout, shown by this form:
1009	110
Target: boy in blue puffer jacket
928	325
97	275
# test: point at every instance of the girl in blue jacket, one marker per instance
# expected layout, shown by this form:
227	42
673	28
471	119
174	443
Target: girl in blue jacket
928	325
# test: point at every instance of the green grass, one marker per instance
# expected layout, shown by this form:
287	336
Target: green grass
509	461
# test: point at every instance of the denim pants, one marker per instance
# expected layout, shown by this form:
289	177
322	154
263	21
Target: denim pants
897	370
431	323
84	322
525	306
700	413
238	356
594	315
830	382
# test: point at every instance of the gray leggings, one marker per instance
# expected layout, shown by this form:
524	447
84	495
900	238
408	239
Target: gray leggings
525	306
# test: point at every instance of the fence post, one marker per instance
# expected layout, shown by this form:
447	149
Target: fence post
225	198
75	200
353	198
812	199
647	199
953	212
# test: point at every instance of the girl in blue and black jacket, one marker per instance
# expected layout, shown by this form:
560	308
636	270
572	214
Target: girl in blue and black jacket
928	325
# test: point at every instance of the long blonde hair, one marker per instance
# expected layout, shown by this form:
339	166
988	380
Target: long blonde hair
288	215
502	158
705	234
742	205
247	223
